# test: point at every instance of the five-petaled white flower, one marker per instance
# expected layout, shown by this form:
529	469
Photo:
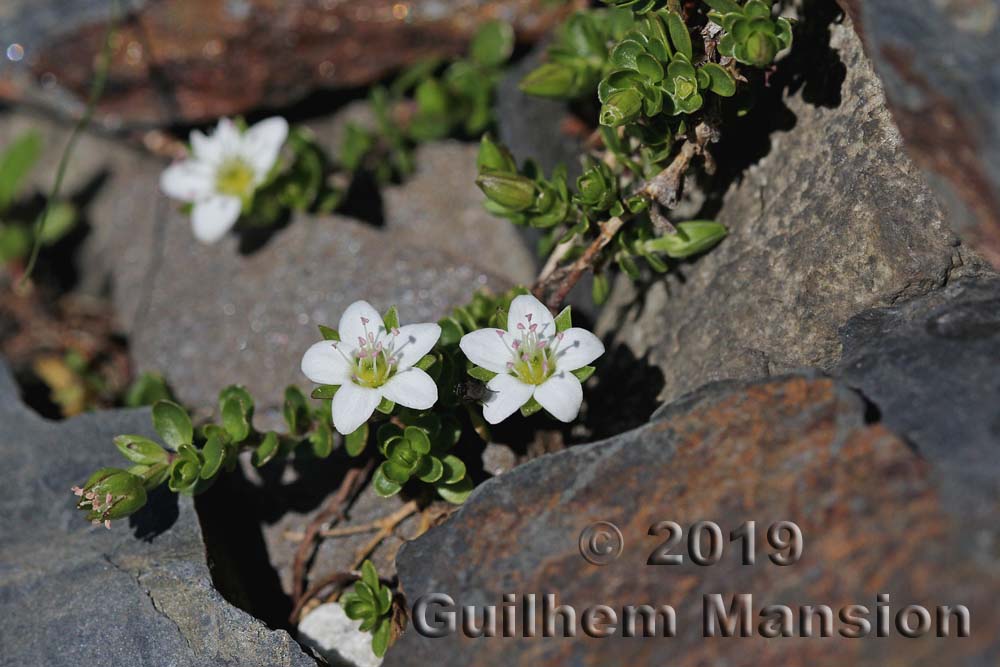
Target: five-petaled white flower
222	173
532	359
370	363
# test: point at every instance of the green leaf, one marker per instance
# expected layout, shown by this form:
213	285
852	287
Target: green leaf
147	389
456	493
679	35
626	53
493	156
391	319
383	600
564	320
724	6
15	164
692	237
234	419
530	408
138	449
173	424
418	439
552	79
321	439
266	450
601	288
583	374
385	406
492	44
369	575
295	409
481	373
454	469
325	391
426	362
395	471
757	9
722	82
355	442
384	486
59	221
380	638
622	106
214	453
431	469
328	333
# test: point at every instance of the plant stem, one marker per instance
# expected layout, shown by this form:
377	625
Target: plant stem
96	90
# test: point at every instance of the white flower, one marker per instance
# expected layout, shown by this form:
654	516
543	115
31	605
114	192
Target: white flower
222	173
532	359
370	363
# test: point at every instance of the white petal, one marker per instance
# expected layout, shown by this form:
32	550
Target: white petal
412	388
213	217
206	149
508	395
486	348
227	136
577	348
188	181
263	142
352	406
360	317
561	395
413	342
323	364
526	310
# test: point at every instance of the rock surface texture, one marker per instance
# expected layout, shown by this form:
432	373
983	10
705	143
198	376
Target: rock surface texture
834	220
937	61
73	594
179	62
796	448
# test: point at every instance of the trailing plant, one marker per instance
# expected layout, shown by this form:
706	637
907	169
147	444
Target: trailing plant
371	603
256	176
665	78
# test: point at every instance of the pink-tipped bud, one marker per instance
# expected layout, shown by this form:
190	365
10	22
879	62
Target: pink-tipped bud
77	491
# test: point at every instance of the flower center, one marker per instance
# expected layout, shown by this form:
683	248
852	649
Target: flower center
235	178
376	358
533	354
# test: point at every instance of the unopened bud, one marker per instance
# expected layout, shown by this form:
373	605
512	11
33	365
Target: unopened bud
509	190
111	493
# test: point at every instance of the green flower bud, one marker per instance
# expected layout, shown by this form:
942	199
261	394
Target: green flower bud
760	49
494	157
511	191
550	80
621	107
109	494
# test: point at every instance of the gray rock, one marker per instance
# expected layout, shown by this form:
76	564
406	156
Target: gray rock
937	60
337	638
73	594
797	448
834	220
442	206
931	366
